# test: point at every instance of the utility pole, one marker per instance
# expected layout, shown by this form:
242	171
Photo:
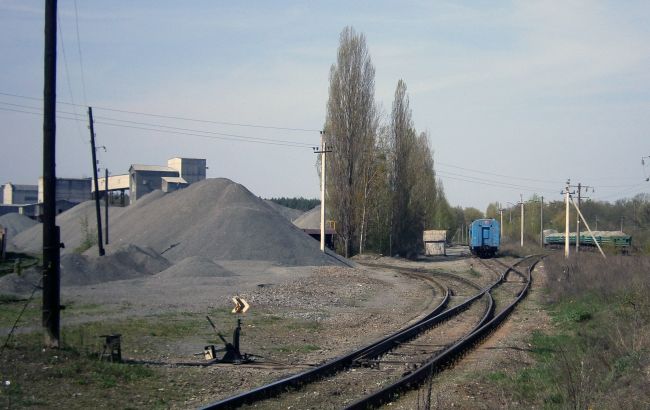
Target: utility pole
541	223
51	313
578	220
323	150
501	224
566	213
100	245
580	197
521	201
106	202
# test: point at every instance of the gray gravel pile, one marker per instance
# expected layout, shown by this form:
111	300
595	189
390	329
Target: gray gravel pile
195	266
128	262
289	213
310	219
217	219
16	223
75	223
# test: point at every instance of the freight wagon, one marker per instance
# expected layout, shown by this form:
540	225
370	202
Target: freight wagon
612	239
484	237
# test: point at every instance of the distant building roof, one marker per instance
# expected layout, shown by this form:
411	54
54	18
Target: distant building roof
156	168
174	180
24	187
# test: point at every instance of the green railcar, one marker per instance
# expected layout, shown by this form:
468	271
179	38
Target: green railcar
615	239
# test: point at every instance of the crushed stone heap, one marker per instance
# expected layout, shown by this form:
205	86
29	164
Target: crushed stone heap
220	220
216	218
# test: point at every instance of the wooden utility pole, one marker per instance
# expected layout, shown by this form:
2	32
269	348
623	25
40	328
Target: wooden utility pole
100	244
106	203
51	239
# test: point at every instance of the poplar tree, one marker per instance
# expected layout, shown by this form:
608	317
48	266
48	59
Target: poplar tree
350	129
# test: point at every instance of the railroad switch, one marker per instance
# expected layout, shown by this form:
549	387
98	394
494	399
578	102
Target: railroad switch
232	353
112	348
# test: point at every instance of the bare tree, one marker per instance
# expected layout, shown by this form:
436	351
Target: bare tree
350	130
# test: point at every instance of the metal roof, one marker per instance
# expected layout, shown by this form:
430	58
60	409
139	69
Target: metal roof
156	168
174	180
18	187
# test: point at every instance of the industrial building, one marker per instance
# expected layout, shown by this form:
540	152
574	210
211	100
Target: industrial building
144	179
190	169
14	194
179	173
73	190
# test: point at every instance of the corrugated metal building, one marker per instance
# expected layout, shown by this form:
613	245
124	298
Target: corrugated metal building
14	194
171	184
190	169
73	190
144	179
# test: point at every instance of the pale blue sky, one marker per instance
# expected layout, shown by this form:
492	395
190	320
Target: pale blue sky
561	88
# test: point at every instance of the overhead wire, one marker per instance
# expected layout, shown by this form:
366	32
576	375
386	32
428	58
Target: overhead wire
490	182
81	61
172	117
67	74
548	181
174	130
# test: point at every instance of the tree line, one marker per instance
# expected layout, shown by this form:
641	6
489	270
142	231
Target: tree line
631	215
381	186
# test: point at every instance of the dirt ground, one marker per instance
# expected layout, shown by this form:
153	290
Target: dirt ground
506	350
299	316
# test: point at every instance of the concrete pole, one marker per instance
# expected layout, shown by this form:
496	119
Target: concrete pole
566	227
322	192
501	226
578	220
106	205
541	223
521	201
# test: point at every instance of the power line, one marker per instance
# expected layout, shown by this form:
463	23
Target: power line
546	181
67	73
195	133
81	61
171	117
494	184
469	178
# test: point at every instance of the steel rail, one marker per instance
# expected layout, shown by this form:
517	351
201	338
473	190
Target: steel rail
375	349
297	380
447	356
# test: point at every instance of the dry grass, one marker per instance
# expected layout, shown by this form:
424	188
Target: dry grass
603	309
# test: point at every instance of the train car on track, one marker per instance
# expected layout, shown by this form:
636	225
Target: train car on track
615	240
484	237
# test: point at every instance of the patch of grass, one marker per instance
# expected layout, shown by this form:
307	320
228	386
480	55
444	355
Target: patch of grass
11	308
597	354
474	272
16	262
569	312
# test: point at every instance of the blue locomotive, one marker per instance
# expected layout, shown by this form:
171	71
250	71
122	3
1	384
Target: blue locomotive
484	237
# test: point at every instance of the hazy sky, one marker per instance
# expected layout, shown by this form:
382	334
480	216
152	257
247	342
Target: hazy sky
516	96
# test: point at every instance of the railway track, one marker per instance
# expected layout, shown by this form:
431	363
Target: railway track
376	373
